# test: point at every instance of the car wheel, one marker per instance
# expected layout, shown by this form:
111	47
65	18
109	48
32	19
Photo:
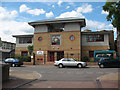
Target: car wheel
60	66
13	65
79	66
101	66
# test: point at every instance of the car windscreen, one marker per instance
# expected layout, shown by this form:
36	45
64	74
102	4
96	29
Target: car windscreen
7	60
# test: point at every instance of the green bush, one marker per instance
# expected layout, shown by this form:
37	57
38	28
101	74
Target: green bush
85	59
24	59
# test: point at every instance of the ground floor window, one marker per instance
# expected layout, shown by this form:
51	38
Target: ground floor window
55	55
24	53
91	53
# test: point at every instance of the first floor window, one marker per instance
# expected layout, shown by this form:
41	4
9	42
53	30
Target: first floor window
91	53
25	40
72	38
24	53
95	38
55	40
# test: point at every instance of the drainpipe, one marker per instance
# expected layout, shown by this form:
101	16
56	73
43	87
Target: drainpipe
44	58
81	42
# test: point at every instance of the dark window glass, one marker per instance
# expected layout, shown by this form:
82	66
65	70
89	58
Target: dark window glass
25	40
95	38
91	53
40	38
24	53
72	37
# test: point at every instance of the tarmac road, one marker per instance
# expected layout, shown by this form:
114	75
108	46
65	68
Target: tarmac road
52	73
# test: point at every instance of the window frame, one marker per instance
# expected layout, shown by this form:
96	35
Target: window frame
73	37
95	37
55	44
41	38
22	40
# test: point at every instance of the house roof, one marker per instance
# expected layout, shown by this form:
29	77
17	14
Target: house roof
4	50
90	32
98	32
7	42
29	35
59	20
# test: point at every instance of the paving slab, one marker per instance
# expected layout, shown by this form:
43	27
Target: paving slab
111	76
19	77
110	84
110	80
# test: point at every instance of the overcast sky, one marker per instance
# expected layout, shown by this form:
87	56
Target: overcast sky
14	16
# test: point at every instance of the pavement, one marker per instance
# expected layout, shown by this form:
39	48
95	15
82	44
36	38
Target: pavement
20	77
31	79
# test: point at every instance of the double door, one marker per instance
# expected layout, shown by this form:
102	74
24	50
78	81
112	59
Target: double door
55	55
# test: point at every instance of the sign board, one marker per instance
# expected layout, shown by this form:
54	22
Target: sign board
31	56
40	52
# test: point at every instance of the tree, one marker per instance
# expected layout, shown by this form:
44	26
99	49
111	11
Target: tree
114	13
30	49
115	45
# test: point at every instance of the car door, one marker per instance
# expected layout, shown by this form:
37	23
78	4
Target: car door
110	63
71	62
64	62
67	62
115	63
106	62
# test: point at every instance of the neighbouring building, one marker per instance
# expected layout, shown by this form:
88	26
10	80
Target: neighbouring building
102	40
7	49
54	39
22	42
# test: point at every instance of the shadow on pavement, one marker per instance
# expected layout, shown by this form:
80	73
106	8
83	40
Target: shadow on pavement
74	67
12	82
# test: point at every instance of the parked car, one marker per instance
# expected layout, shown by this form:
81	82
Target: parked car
108	62
69	62
13	62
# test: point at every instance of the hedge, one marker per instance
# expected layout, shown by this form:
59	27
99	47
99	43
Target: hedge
24	59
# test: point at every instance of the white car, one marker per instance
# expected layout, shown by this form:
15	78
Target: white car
69	62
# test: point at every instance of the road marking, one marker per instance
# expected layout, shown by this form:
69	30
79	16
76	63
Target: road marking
38	74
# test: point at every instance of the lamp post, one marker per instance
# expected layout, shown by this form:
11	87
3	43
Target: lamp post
33	58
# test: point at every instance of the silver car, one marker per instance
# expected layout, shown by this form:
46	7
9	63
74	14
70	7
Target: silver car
69	62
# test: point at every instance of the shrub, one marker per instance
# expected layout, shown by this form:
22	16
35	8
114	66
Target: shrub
85	59
24	59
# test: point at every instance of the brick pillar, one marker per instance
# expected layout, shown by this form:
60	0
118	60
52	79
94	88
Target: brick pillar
55	56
